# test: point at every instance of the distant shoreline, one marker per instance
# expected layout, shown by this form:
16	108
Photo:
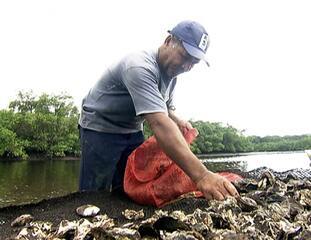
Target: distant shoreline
220	155
39	157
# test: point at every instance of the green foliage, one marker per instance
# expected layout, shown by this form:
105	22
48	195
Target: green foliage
147	130
41	125
59	105
277	143
10	145
216	138
47	124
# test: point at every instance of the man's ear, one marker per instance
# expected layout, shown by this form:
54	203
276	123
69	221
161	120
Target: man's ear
168	40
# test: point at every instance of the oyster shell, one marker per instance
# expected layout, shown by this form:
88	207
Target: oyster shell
125	233
304	197
132	214
22	220
189	235
170	224
66	228
87	210
178	215
246	185
267	179
103	222
247	204
288	231
266	209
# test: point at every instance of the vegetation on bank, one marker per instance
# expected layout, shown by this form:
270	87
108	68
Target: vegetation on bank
47	125
39	125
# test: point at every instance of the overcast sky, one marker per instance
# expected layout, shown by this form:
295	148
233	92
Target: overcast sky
260	55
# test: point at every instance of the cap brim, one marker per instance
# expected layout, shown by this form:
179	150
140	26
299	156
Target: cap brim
194	52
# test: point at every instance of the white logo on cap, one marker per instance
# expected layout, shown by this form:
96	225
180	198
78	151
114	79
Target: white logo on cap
204	42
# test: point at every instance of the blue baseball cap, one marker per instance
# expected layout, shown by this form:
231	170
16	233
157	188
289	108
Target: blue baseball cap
193	37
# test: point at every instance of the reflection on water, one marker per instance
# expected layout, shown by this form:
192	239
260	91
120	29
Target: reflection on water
218	166
31	181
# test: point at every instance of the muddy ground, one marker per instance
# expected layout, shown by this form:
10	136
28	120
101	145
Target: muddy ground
57	209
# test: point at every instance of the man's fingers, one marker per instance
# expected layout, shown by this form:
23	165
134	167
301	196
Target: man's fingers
208	196
188	125
231	189
217	188
218	196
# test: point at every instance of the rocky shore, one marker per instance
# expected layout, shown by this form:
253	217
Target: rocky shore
270	206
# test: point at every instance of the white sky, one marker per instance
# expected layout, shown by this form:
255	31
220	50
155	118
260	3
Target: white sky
260	51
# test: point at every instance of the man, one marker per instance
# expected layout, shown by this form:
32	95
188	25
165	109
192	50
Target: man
137	88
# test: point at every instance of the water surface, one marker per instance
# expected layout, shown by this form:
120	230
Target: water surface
278	161
31	181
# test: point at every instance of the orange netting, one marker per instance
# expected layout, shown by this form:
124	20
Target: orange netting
152	178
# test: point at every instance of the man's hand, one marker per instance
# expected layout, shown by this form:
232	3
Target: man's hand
214	186
182	124
173	143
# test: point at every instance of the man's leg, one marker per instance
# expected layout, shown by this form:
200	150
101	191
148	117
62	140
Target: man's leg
100	155
133	141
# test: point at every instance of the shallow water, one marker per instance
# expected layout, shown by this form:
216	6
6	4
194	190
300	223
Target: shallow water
31	181
278	161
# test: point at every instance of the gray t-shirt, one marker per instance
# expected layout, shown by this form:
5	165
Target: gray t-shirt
127	90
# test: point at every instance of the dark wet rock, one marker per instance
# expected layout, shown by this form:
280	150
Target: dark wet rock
170	224
147	230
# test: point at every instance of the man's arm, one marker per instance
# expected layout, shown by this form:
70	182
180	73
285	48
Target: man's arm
175	146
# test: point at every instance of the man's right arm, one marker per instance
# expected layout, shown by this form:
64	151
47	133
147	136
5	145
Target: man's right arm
175	146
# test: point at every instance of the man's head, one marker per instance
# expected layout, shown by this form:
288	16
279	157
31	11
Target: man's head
183	48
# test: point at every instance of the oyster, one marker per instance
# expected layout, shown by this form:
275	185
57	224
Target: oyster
189	235
268	208
304	197
132	214
276	212
35	230
246	185
289	232
267	179
103	222
66	228
179	215
247	204
125	233
279	187
170	224
22	220
83	228
293	207
305	235
87	210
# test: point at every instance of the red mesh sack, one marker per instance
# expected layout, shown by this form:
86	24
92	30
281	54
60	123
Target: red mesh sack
152	178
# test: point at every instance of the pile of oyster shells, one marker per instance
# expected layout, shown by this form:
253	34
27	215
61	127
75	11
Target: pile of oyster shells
267	208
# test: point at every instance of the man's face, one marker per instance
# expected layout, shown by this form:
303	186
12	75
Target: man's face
178	60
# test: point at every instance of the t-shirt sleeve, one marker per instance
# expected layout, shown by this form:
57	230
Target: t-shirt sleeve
142	85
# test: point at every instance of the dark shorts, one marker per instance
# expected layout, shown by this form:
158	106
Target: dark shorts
104	157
